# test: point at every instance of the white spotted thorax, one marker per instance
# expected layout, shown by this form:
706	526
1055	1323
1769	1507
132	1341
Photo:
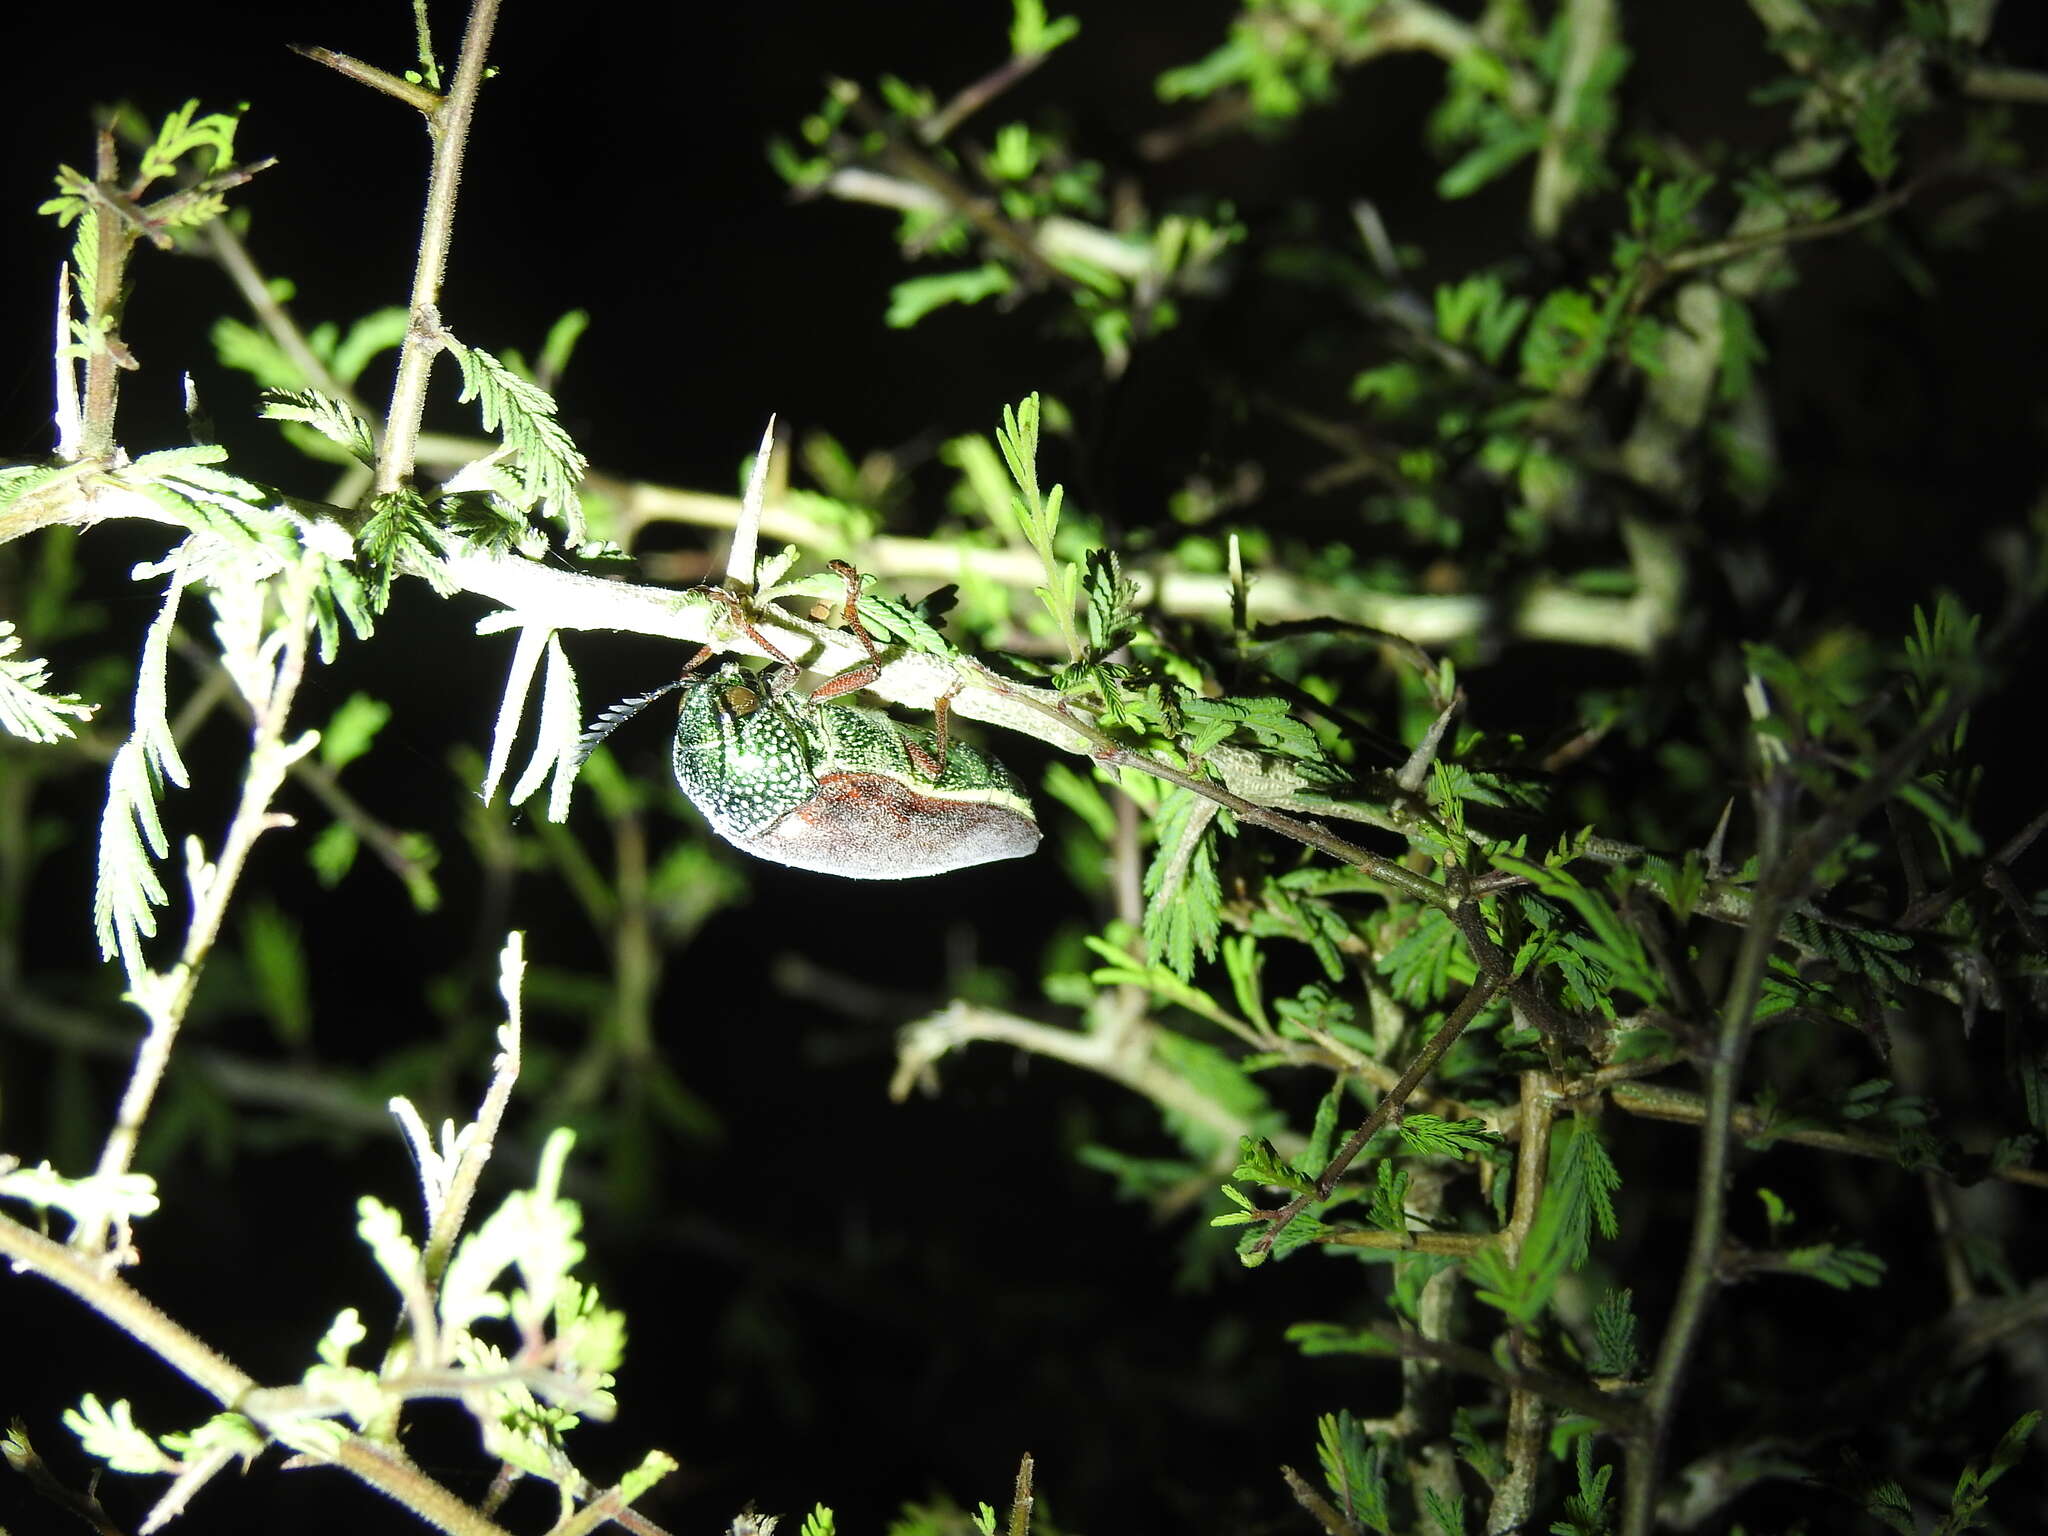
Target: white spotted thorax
837	789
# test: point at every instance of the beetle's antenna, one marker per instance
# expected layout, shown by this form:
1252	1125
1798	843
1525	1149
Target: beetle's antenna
742	561
617	716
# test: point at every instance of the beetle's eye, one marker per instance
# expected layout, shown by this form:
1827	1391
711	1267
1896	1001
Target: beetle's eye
742	700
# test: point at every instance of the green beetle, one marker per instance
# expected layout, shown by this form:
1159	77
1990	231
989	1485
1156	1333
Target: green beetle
827	787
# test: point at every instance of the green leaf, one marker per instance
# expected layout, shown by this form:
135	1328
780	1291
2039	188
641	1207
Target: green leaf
1112	598
1447	1515
277	966
1183	896
1352	1470
1490	160
1522	1290
1389	1208
1436	1137
1428	961
111	1435
1335	1339
400	536
915	297
331	418
1615	1351
1841	1266
1603	957
353	726
182	133
1583	1179
550	466
1033	34
25	709
1968	1501
1258	1163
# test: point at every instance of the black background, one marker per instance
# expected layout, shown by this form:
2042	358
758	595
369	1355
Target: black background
841	1299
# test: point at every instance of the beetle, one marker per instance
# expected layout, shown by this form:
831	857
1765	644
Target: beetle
831	787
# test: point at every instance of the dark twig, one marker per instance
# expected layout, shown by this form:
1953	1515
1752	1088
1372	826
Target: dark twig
1327	1515
974	97
1425	1061
1785	881
1579	1396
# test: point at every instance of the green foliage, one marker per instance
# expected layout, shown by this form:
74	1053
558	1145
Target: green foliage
1615	1352
1583	1179
1430	1135
399	538
1408	668
1839	1266
1389	1209
915	297
1184	898
131	833
26	709
1352	1471
332	419
550	466
1967	1503
1587	1512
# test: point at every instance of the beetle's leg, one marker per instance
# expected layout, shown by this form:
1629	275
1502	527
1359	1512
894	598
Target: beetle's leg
852	578
786	670
868	671
739	614
933	761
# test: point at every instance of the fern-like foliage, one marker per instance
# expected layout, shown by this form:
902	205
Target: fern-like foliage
550	465
127	889
26	709
331	418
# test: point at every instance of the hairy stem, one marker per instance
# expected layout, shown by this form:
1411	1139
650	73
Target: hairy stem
114	240
449	126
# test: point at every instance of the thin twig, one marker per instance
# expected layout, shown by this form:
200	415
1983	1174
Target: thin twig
21	1456
973	98
923	1043
1326	1514
418	97
104	355
449	126
1389	1105
1654	1101
1578	1396
1735	247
